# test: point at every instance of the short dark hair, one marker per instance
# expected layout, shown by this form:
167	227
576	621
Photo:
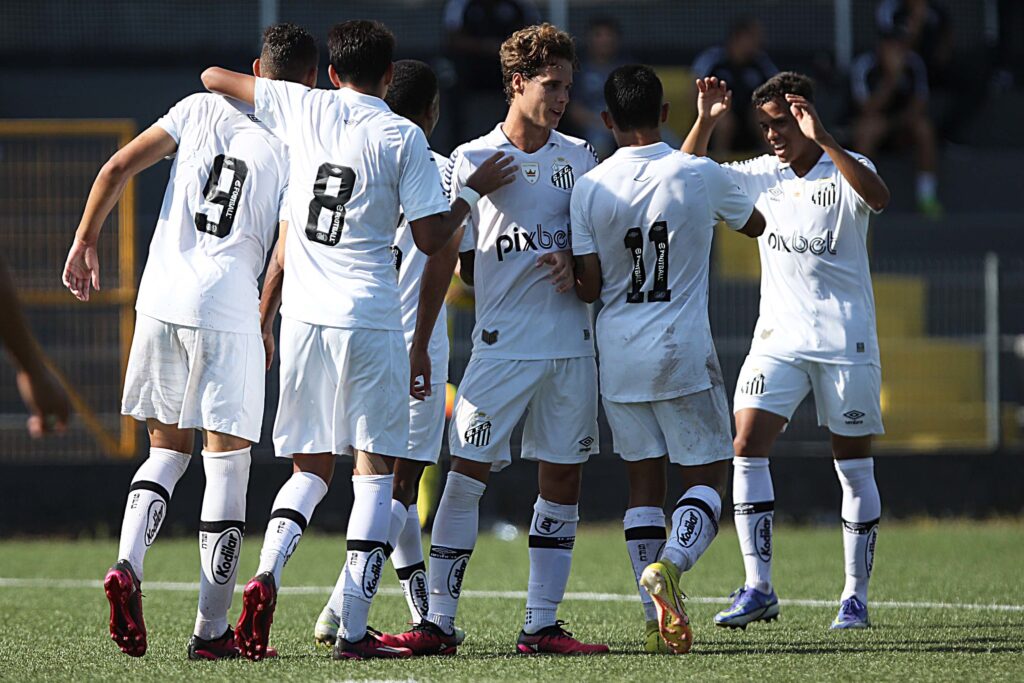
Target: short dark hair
289	52
781	84
360	51
530	50
634	96
413	89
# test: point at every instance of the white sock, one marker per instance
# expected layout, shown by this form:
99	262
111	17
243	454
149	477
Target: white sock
148	497
221	528
399	513
366	539
694	526
754	515
408	561
455	530
926	186
552	537
645	539
293	508
862	509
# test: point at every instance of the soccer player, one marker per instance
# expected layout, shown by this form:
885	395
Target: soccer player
414	94
642	225
197	360
532	348
815	331
355	166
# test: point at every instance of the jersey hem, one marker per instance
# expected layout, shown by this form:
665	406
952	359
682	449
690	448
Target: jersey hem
667	396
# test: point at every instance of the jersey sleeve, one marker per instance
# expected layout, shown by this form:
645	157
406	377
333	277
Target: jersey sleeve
729	203
174	121
456	172
419	185
278	105
745	174
579	219
849	193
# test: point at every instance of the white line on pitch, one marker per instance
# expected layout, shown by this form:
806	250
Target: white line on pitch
510	595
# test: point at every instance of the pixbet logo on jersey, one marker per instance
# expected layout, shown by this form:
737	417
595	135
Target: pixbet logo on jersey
800	244
520	240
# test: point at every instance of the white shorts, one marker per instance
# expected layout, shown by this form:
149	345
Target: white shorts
847	397
196	378
693	430
342	389
560	394
426	425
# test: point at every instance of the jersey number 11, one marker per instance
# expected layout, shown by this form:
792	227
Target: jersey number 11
658	236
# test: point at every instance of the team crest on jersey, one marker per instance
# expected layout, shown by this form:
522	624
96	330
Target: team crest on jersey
826	194
562	175
531	171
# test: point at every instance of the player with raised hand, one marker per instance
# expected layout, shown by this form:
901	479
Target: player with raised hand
642	225
532	348
815	332
196	360
355	168
414	94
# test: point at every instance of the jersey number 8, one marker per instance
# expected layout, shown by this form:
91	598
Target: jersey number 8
657	235
332	189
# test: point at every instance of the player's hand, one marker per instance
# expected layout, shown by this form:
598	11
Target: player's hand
419	369
493	174
268	346
561	274
807	118
713	98
47	404
82	269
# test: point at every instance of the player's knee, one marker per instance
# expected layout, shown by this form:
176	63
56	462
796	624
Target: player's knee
748	445
560	483
320	464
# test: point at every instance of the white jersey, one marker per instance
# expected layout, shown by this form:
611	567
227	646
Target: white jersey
816	298
519	315
649	213
355	166
218	218
410	262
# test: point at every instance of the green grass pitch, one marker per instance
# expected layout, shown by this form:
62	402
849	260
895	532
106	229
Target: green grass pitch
53	616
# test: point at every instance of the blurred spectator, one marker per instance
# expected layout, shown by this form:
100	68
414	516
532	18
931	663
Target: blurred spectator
928	29
474	32
47	404
743	65
890	90
926	26
603	55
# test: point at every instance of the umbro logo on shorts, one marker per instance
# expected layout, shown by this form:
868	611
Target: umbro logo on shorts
479	432
754	386
586	443
854	417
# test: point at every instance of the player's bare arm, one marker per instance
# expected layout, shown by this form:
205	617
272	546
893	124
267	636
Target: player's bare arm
865	182
467	261
82	268
47	404
755	225
437	275
270	297
714	99
231	83
431	233
587	272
